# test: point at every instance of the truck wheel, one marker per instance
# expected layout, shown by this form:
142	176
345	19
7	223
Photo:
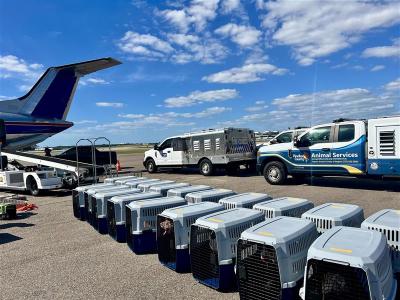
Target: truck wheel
151	166
32	186
206	167
275	173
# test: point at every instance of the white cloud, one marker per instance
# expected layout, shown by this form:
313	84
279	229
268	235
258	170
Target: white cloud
12	66
244	36
131	116
393	85
93	81
198	13
230	5
2	97
318	28
85	122
377	68
384	51
259	106
145	45
245	74
198	97
110	104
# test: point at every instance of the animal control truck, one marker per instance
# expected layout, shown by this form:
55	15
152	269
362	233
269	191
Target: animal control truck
344	147
207	149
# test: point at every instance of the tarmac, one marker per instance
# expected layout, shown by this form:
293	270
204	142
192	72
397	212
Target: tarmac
48	254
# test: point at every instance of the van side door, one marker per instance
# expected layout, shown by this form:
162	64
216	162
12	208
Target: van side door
178	155
163	153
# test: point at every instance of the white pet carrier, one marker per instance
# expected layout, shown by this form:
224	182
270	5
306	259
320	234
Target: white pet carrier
182	192
117	180
141	219
245	200
163	189
274	253
135	182
173	231
329	215
116	213
145	186
285	206
213	195
213	241
350	264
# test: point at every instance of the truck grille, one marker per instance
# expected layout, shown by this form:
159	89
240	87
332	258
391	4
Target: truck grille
166	240
111	219
204	255
257	271
128	223
75	203
330	281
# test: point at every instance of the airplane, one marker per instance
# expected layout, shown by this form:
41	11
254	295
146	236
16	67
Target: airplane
42	112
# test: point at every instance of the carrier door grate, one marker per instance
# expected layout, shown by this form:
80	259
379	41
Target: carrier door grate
86	198
166	240
94	207
75	203
111	219
204	255
257	271
330	281
128	223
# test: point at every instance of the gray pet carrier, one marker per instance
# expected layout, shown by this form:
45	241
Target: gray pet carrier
350	264
329	215
163	189
145	186
213	241
183	191
285	206
116	213
213	195
141	219
387	221
245	200
117	180
135	182
99	208
173	230
271	257
78	199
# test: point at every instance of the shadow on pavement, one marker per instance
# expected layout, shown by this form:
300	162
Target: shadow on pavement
8	238
12	225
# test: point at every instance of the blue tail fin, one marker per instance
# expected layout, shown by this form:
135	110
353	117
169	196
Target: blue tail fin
52	95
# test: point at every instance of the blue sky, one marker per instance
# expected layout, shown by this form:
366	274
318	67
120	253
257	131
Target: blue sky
190	65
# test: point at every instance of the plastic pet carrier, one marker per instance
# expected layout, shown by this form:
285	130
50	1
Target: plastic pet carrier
141	222
91	199
99	207
329	215
173	230
115	179
349	264
285	206
87	193
213	241
387	221
78	199
246	200
135	182
145	186
123	181
271	258
163	189
182	192
116	213
213	195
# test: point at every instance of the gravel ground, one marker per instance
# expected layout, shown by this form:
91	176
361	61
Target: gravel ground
49	254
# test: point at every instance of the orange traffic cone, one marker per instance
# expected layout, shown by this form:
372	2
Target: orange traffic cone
118	166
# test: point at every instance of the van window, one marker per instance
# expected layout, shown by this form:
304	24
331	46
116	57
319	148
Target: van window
179	144
284	137
346	133
318	135
166	144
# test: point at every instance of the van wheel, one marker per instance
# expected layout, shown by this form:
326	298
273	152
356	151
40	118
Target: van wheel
32	186
151	166
206	167
275	173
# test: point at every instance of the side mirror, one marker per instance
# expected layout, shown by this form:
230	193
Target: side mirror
273	141
155	147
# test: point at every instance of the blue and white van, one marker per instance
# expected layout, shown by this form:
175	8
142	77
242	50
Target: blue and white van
344	147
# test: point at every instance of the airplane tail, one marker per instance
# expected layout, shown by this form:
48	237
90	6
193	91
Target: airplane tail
52	95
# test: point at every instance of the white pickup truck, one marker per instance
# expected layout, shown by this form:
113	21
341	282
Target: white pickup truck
344	147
